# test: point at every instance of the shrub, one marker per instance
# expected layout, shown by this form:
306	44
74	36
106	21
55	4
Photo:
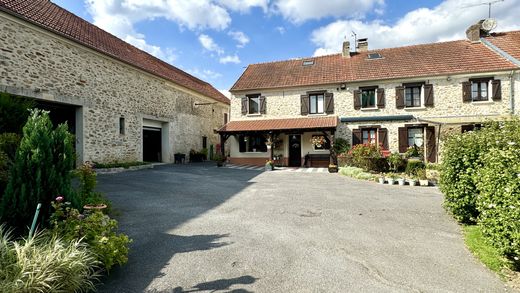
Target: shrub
341	145
87	178
461	160
345	159
396	162
498	181
414	152
96	229
356	172
9	143
368	157
14	112
41	171
413	167
45	263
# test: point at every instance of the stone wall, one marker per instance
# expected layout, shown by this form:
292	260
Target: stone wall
46	66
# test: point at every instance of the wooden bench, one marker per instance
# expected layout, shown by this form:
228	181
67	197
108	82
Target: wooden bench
317	160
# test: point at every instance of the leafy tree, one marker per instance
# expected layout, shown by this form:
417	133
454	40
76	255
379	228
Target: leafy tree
41	171
14	112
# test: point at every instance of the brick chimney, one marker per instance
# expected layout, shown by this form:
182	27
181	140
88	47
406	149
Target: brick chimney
346	49
362	45
474	32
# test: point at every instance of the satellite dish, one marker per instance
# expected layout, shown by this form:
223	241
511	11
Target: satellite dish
489	24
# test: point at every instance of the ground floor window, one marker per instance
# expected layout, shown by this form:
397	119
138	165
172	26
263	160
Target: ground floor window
252	143
470	127
369	135
415	136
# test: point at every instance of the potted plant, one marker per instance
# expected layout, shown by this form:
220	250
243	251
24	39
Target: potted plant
219	159
392	179
423	180
412	181
333	168
381	178
401	181
269	166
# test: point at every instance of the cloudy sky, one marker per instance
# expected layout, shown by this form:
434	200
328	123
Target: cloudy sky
216	39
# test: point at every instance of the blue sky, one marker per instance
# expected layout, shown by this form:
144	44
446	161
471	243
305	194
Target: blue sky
216	39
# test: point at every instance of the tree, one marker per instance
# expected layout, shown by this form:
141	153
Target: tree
14	112
41	172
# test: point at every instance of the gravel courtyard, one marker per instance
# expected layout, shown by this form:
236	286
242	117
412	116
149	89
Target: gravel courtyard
199	228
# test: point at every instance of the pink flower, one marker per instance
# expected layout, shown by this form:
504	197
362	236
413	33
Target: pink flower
59	198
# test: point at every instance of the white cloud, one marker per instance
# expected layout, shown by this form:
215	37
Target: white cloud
447	21
204	74
226	93
299	11
210	45
280	30
240	38
244	5
167	54
230	59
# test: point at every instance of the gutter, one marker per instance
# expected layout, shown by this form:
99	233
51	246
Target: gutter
512	91
378	118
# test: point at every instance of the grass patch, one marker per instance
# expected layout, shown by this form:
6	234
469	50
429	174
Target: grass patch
357	173
487	254
125	165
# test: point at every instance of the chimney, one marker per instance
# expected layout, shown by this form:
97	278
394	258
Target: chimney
362	45
474	32
346	49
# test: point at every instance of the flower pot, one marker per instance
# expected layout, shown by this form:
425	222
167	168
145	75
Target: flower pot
333	169
381	180
412	182
424	182
220	164
391	181
401	181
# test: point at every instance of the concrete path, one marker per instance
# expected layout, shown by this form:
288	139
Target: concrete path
198	228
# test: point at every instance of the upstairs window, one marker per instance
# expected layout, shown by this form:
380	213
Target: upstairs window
368	97
253	104
412	95
316	103
480	89
369	135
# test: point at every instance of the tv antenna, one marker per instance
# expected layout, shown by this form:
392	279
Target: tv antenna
489	4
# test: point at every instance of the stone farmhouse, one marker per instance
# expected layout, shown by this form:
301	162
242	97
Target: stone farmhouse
122	103
396	97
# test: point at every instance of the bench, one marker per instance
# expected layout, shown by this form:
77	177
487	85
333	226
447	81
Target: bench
317	160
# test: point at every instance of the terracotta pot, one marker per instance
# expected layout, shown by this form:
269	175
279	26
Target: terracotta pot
333	169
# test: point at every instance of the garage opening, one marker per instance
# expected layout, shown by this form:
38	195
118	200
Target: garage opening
152	141
60	113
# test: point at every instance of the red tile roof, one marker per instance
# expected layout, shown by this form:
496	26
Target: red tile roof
455	57
281	124
507	41
60	21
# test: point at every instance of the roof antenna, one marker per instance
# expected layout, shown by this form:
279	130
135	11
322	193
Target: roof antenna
489	4
355	41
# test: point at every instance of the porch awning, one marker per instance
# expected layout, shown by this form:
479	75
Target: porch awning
458	120
314	123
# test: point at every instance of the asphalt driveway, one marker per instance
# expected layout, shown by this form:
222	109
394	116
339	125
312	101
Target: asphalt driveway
206	229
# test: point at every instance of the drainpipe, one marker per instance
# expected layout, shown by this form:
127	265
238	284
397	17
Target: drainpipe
512	92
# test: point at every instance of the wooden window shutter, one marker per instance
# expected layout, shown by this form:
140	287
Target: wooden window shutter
305	104
356	137
262	105
403	139
466	91
380	98
428	95
244	106
357	99
241	143
431	144
399	97
329	103
383	137
497	89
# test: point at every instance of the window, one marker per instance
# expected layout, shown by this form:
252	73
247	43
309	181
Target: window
323	146
252	143
254	104
415	136
204	142
316	102
369	135
225	118
471	127
122	125
480	89
368	97
412	95
308	62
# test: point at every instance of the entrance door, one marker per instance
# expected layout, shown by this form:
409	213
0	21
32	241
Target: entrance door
151	144
295	150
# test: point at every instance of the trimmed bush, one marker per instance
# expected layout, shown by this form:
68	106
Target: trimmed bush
41	171
45	264
368	157
461	160
413	167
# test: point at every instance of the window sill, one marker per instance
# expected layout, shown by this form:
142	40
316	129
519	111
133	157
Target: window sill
482	102
369	109
422	108
254	115
318	114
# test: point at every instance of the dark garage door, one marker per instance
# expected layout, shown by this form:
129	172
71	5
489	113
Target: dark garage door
151	144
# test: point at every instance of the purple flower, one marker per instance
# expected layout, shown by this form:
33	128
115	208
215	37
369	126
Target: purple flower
59	198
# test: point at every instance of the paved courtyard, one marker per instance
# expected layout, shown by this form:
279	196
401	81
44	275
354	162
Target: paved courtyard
205	229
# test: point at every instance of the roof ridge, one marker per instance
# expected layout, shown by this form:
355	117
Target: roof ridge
295	59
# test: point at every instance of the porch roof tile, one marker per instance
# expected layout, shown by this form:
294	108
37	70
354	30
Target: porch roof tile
280	124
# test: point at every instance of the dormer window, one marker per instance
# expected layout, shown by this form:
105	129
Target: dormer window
373	56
